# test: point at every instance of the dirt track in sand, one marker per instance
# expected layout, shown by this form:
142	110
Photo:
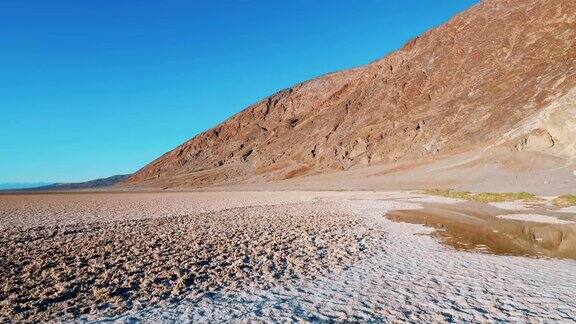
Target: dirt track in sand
124	261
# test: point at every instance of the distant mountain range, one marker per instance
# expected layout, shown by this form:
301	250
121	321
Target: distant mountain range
92	184
22	185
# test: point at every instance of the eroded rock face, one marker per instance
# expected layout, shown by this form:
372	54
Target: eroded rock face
538	140
456	88
551	131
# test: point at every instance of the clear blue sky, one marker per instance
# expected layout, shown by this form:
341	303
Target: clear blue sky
92	88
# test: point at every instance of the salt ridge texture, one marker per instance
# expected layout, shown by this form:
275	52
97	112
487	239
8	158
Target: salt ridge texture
413	279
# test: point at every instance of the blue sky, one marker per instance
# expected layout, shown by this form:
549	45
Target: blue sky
90	89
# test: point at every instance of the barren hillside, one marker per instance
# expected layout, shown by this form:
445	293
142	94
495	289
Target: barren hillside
499	77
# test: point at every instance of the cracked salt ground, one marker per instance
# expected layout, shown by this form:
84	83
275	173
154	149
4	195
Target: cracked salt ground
413	279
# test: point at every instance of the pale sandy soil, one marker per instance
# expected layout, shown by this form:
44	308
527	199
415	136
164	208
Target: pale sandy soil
571	209
510	205
242	256
535	218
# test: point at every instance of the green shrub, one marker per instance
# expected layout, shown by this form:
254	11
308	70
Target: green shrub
504	196
565	201
484	196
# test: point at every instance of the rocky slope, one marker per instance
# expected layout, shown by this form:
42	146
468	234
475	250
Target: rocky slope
500	76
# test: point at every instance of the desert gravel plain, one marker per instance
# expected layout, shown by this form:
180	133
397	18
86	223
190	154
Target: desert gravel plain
269	256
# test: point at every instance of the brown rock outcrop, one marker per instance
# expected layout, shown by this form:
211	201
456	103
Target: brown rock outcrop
460	87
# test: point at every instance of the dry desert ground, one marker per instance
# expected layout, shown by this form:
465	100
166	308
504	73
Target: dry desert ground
283	256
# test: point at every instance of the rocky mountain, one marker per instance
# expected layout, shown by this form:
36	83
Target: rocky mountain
496	80
92	184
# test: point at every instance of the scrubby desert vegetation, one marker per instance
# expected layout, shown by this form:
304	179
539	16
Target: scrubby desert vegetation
484	196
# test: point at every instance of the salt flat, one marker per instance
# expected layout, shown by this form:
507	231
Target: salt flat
414	278
535	218
241	256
